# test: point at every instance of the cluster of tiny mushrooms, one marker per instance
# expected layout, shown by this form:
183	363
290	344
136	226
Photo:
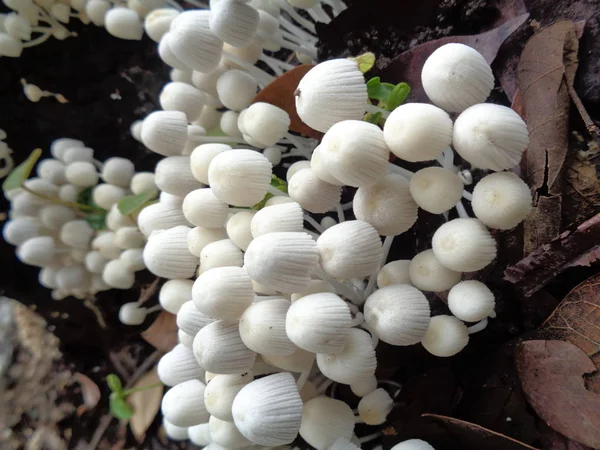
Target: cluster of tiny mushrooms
274	306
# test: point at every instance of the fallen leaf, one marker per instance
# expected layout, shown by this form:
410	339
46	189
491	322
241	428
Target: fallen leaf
556	441
162	334
408	65
551	374
544	74
145	404
539	267
281	93
582	187
90	392
473	436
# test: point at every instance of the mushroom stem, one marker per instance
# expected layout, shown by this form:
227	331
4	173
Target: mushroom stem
217	140
467	195
153	309
261	77
297	17
39	40
274	62
462	212
369	438
340	287
340	213
310	51
316	225
304	377
324	386
370	108
295	39
337	5
374	337
293	154
401	171
307	37
478	326
318	14
358	319
387	244
347	206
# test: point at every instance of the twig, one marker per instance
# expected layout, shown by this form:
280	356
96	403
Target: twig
123	373
148	291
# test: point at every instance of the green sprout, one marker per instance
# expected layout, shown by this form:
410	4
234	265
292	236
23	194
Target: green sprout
118	404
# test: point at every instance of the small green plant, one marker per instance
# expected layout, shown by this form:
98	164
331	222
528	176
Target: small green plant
118	404
278	184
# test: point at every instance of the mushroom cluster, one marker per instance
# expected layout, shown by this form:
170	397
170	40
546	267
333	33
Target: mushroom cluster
67	222
275	305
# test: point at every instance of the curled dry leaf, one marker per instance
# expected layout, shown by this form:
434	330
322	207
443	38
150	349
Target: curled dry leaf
551	374
162	334
145	404
89	391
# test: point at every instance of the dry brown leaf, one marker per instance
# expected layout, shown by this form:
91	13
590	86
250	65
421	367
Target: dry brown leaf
162	334
551	374
545	72
281	93
89	391
582	188
408	65
145	404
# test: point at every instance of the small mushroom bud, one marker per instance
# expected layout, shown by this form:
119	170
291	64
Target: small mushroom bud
412	444
52	171
133	259
47	277
17	26
297	167
174	293
60	146
81	174
464	245
266	123
456	76
166	254
118	171
435	189
68	193
299	361
446	336
178	365
233	22
285	217
78	154
354	152
262	327
418	132
116	220
129	237
268	411
183	404
223	253
238	229
219	349
177	96
229	124
174	432
364	386
54	217
166	53
20	229
223	292
387	205
159	216
116	275
394	272
319	323
273	154
95	262
209	117
501	200
490	136
324	420
398	314
312	193
201	207
132	314
201	158
374	408
71	278
165	132
105	244
77	234
158	22
97	284
190	320
199	237
174	176
207	82
10	46
236	88
350	249
471	301
200	435
124	24
240	177
331	92
355	362
428	274
283	261
221	391
106	195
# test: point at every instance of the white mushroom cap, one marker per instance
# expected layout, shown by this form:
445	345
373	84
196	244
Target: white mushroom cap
446	336
221	391
364	386
177	96
116	275
183	404
240	177
72	278
20	229
190	320
387	205
165	132
299	361
96	9
133	259
223	253
132	314
166	53
490	136
428	274
178	365
456	76
106	195
413	444
374	407
282	260
314	287
174	293
229	125
105	244
463	245
283	217
236	88
418	132
199	237
268	411
330	92
266	123
233	22
471	301
226	434
202	208
116	220
158	22
124	24
394	272
159	216
173	431
325	420
238	228
129	237
81	174
501	200
262	327
319	165
51	170
60	145
319	323
350	249
201	158
312	193
435	189
142	182
200	435
296	167
355	362
166	254
174	176
398	314
207	82
77	234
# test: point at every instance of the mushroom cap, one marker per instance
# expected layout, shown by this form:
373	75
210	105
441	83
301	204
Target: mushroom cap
446	336
428	274
435	189
471	301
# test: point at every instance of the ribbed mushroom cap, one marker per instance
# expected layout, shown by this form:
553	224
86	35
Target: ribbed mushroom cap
165	132
183	404
174	176
262	327
312	193
428	274
471	301
179	365
446	336
166	254
190	320
233	22
325	420
435	189
284	217
221	391
202	208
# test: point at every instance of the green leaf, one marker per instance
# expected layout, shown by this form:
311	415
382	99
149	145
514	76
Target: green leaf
365	62
373	118
260	205
120	408
398	96
85	197
216	131
278	184
133	203
97	220
114	383
378	90
20	173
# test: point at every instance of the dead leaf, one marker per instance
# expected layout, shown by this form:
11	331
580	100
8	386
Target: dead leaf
546	69
90	392
582	187
162	334
539	267
145	404
471	435
555	441
551	374
281	93
408	65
